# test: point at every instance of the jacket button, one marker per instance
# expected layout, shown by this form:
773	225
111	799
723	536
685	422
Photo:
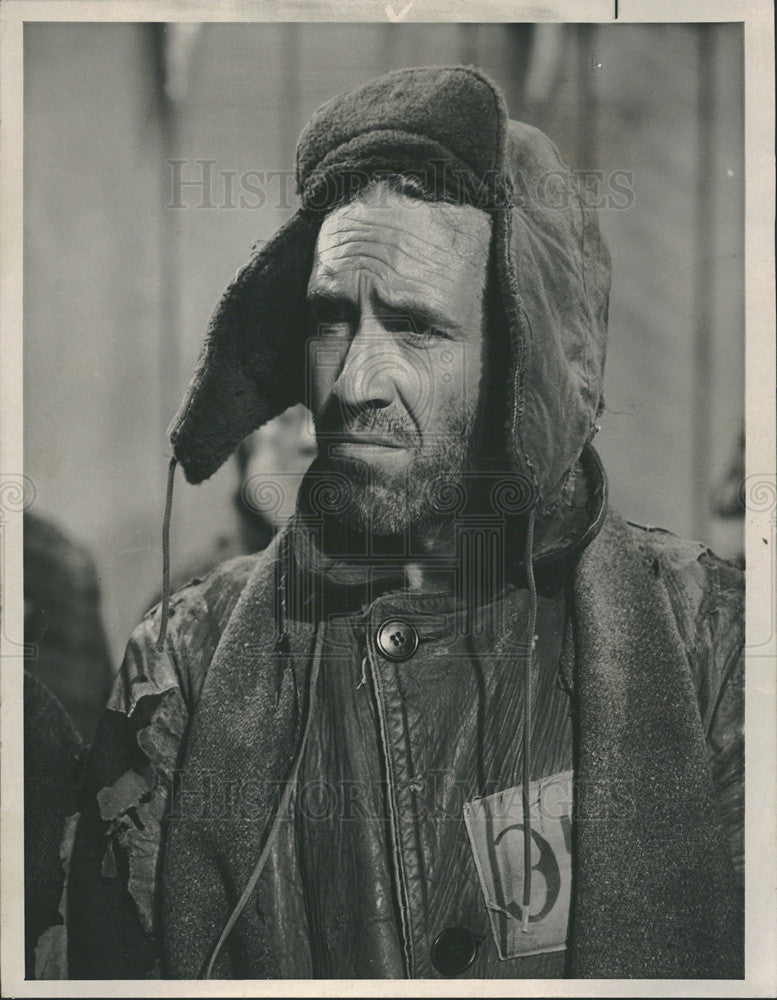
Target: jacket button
454	951
397	639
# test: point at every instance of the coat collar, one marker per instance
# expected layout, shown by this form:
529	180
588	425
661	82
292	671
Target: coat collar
317	582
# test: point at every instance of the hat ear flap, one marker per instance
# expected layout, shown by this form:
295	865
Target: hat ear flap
252	366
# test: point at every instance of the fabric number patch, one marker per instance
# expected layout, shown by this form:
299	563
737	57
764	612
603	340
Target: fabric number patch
495	828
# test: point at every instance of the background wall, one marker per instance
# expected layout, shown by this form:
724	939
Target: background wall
119	285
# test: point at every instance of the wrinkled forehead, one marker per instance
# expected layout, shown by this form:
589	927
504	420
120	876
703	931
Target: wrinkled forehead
385	231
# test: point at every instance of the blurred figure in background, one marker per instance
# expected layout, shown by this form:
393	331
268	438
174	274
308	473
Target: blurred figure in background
62	621
53	753
727	499
272	462
67	679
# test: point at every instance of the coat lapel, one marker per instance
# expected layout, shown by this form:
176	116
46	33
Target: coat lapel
655	892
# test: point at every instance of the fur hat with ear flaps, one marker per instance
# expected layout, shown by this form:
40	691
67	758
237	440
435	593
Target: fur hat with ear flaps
448	128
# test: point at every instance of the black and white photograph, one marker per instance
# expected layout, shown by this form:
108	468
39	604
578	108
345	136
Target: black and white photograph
388	473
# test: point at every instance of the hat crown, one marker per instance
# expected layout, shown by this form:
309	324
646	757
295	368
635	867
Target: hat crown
423	119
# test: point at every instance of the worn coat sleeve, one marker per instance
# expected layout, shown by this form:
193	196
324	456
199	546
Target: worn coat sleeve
129	782
708	597
126	790
720	649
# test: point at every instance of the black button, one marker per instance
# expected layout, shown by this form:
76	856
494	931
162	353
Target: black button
454	951
397	639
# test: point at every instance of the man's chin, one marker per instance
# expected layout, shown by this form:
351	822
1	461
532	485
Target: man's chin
371	466
372	497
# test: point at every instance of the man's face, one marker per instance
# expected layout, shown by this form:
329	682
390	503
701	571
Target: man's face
397	347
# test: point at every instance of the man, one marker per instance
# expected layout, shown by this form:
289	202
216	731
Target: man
459	719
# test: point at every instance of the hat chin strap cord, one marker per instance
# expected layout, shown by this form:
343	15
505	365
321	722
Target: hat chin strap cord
528	663
281	811
165	615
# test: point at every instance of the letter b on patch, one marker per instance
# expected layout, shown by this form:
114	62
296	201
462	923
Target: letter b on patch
496	830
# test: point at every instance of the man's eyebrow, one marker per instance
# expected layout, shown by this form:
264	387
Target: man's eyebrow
320	292
324	284
431	315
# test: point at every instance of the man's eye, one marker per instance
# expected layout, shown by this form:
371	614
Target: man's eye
331	319
409	325
399	324
333	328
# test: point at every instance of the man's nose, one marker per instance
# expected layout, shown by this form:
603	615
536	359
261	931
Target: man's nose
365	377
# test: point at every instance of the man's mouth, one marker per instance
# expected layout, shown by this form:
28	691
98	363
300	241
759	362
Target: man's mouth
376	440
363	443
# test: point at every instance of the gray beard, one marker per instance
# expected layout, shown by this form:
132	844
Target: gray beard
424	496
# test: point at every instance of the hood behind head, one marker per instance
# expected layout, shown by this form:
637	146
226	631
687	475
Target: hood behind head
448	128
556	274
